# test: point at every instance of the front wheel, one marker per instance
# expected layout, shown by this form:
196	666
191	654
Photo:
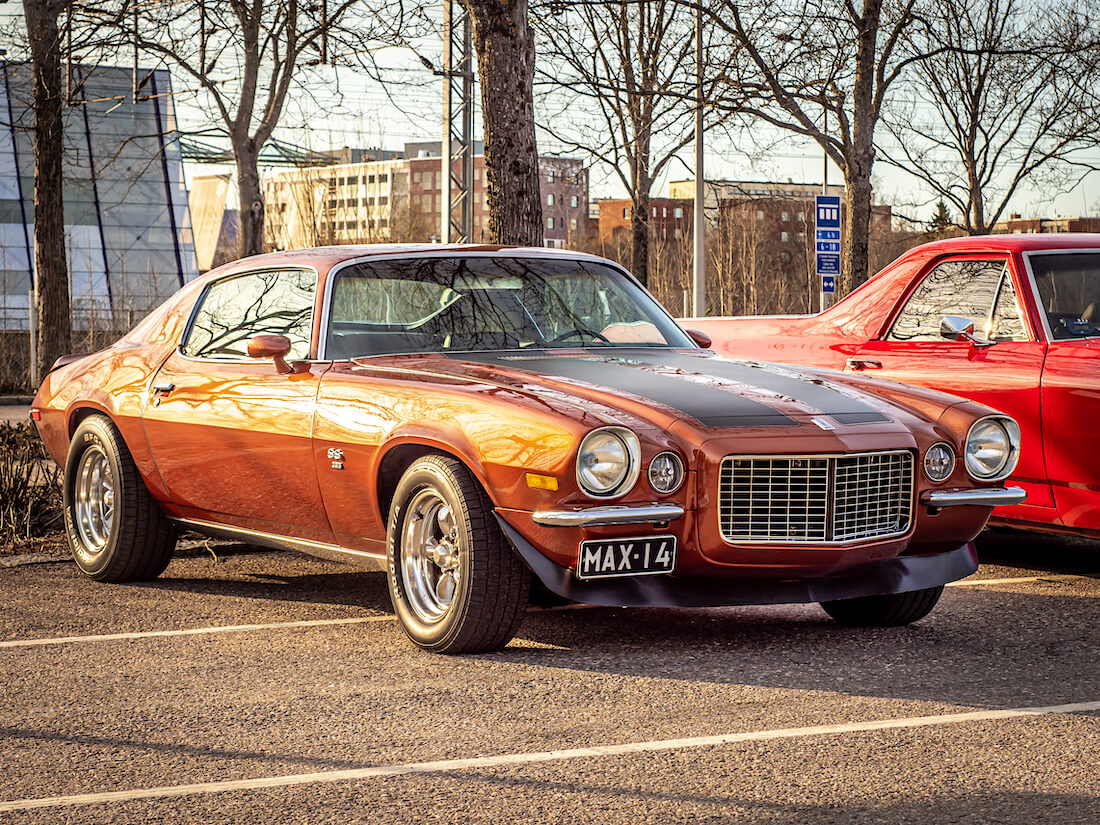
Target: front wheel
891	610
116	530
455	583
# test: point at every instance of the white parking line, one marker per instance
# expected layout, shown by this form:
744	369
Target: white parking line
1049	577
193	631
508	760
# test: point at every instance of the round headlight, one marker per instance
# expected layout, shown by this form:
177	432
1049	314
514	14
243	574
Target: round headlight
992	447
607	462
666	471
939	461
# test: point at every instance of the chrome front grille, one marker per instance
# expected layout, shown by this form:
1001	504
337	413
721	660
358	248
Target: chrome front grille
815	499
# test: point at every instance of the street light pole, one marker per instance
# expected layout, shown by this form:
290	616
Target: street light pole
822	296
698	264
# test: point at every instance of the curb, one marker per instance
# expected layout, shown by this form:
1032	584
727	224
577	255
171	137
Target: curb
15	400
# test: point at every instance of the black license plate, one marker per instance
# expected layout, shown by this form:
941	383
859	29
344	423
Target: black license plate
604	558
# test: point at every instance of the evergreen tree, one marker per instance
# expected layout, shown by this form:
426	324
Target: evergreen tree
941	224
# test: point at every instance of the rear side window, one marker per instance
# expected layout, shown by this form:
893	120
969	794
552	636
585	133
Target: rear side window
1069	291
965	289
234	309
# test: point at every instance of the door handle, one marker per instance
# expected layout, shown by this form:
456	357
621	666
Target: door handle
860	364
161	390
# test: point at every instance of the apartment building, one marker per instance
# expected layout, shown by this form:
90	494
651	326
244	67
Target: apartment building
403	198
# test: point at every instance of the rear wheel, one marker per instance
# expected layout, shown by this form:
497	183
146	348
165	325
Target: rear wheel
884	611
116	530
455	583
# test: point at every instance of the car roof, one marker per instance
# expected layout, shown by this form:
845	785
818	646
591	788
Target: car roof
324	258
1015	243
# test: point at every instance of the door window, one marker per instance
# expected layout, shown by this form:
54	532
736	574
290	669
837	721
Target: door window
234	309
965	288
1069	293
1006	322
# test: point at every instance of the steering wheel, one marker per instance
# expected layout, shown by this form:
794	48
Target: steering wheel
579	331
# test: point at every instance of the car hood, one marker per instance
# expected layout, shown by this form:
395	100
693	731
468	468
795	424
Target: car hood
716	392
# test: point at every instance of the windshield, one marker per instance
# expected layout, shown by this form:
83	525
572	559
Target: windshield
1069	291
463	304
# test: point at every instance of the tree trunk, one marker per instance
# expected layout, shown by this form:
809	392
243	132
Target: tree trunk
860	156
252	201
639	236
506	67
857	225
51	275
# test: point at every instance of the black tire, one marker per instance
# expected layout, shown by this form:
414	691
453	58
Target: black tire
480	608
884	611
129	540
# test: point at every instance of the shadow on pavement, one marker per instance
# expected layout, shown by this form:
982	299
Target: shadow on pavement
1039	551
353	589
988	647
709	805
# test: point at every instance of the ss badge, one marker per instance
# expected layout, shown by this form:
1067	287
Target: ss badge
336	457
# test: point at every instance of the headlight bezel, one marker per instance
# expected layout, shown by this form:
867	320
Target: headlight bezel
632	446
1012	436
680	476
951	467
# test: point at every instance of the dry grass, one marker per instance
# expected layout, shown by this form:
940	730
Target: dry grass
30	488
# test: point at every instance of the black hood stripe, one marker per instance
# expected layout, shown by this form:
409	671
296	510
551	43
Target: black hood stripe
839	406
711	406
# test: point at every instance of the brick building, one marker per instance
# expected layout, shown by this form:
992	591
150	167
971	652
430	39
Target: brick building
402	199
669	218
1017	225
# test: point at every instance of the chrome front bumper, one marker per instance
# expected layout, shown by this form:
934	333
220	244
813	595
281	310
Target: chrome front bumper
987	497
609	514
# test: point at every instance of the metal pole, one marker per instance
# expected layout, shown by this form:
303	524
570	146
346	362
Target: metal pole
468	99
445	146
698	264
134	82
457	150
822	296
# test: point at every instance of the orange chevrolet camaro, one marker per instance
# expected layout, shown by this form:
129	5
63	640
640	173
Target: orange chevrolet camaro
475	420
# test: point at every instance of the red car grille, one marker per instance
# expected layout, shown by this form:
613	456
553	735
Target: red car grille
815	499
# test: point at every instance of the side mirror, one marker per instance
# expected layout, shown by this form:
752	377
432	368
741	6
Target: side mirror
954	328
271	345
700	338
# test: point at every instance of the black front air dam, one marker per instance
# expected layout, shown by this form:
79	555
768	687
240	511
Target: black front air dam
897	575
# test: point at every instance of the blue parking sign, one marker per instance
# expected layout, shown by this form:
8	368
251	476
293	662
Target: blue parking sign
828	283
828	263
828	212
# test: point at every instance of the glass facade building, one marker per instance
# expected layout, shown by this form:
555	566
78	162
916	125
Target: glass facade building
128	231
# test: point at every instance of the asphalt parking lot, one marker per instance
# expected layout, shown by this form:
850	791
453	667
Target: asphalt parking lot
275	688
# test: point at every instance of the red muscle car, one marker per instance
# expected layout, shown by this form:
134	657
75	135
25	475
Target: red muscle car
1012	321
466	418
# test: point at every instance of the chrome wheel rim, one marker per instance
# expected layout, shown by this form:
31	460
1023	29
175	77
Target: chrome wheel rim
94	501
431	561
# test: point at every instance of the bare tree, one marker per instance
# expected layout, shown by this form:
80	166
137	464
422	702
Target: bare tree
632	64
506	66
50	269
1003	93
246	56
807	60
